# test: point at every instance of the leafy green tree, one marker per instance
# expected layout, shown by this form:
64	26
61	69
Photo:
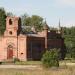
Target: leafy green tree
69	38
34	20
51	58
37	21
23	18
2	20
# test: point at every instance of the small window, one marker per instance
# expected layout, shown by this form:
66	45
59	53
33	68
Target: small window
21	53
10	21
10	32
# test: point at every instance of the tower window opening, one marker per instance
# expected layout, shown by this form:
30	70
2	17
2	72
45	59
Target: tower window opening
10	32
10	22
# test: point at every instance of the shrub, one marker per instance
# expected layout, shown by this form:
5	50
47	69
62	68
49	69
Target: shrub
51	58
0	63
16	60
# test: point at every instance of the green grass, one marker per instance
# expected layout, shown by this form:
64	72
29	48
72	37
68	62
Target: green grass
28	63
63	62
68	61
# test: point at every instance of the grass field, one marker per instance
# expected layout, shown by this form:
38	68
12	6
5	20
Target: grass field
65	71
62	70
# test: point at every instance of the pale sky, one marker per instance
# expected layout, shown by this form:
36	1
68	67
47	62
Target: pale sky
52	10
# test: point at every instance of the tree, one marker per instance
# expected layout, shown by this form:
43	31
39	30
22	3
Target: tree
51	58
2	20
23	18
10	14
69	35
34	20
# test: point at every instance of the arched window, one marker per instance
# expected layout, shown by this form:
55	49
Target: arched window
10	22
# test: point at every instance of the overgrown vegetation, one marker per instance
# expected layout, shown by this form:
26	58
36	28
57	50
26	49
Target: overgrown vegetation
51	58
69	38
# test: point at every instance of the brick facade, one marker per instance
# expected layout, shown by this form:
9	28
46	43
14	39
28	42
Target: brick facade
14	44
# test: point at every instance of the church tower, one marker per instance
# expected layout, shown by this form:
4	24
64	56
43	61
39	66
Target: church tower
13	26
60	29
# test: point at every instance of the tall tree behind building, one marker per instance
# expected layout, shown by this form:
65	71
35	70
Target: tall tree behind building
34	20
2	20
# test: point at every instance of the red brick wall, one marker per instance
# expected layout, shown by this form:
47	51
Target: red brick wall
35	48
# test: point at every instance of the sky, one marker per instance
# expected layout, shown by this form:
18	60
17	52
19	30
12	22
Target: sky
52	10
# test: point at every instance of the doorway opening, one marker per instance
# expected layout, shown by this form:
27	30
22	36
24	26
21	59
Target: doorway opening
10	52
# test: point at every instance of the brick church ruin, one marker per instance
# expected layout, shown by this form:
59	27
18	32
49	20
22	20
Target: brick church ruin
27	46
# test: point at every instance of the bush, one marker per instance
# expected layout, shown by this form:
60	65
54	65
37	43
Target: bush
0	63
51	58
16	60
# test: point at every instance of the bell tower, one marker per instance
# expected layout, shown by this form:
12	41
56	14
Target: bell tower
13	26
